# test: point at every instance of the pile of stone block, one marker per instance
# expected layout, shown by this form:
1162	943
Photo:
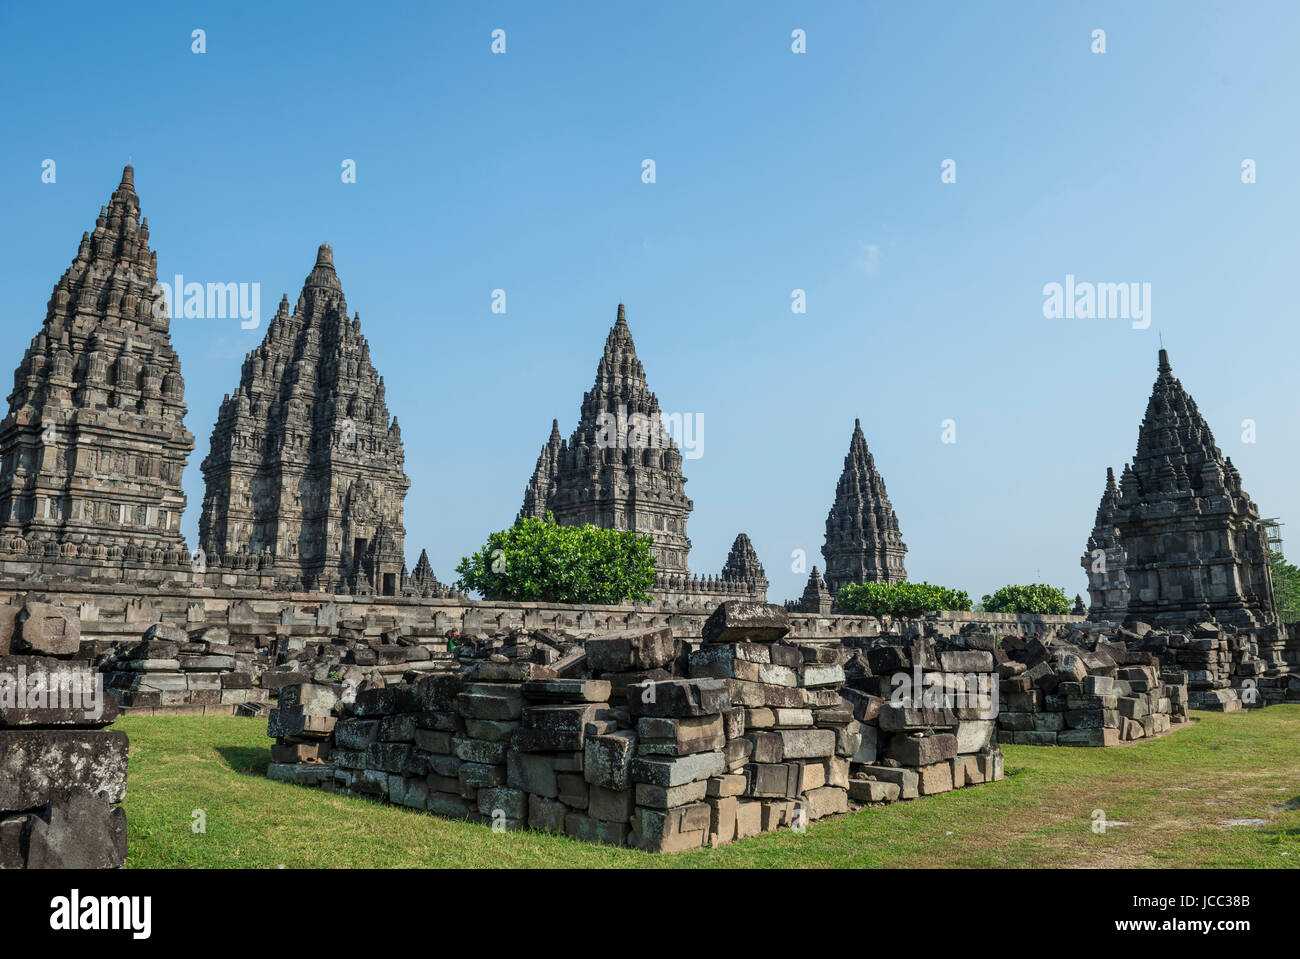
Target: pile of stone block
656	744
172	672
62	774
1221	664
1279	648
928	708
303	722
1086	690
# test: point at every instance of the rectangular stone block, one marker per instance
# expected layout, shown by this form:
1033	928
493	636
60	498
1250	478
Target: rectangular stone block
678	770
567	690
666	797
935	778
807	743
918	750
679	698
631	649
37	764
679	737
611	805
607	759
742	621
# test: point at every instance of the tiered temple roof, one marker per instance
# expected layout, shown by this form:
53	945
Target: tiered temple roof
1195	549
863	543
619	469
1104	559
94	443
305	461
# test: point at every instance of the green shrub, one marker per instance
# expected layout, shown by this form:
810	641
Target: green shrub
900	599
1037	598
540	560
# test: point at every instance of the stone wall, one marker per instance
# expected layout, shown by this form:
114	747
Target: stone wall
171	671
115	612
1085	690
637	738
62	773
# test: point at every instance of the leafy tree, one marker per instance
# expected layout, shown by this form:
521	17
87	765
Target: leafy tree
540	560
1286	588
905	599
1038	598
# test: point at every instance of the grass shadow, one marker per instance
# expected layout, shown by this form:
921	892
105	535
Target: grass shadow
246	760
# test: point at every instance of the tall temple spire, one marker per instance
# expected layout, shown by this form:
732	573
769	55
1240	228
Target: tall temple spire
1104	560
863	543
306	464
94	442
1195	549
619	469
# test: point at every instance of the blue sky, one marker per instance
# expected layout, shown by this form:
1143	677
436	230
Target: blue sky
774	172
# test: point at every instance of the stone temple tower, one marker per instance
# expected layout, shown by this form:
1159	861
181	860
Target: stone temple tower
863	543
92	449
1104	560
620	469
1195	548
305	463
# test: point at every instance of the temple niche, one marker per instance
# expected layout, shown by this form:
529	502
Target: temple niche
306	466
94	443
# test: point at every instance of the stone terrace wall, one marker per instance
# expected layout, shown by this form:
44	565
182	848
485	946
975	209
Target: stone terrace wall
637	739
61	773
118	613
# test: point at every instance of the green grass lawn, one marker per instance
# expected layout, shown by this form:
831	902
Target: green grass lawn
1175	796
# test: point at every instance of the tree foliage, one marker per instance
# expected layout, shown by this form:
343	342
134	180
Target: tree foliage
1036	598
538	560
900	599
1286	588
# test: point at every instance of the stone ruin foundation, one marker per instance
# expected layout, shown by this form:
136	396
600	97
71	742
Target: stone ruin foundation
62	774
1078	693
637	739
172	672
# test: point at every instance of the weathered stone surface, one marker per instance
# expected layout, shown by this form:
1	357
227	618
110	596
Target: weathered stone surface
741	621
807	743
679	697
632	649
917	750
676	771
974	735
37	765
906	779
672	830
47	630
567	690
826	801
607	759
679	737
76	830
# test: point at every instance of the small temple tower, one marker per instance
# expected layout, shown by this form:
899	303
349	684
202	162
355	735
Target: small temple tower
816	597
1104	560
863	543
1195	548
94	443
742	566
619	469
306	465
